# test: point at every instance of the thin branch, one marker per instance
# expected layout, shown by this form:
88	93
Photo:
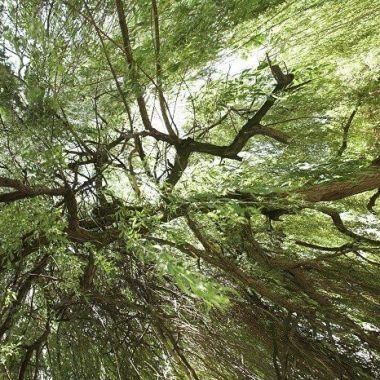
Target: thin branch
161	97
338	222
129	57
372	202
346	128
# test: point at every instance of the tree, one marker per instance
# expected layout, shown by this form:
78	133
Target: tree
164	218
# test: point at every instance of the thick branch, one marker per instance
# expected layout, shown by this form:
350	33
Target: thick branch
241	139
335	190
25	191
251	128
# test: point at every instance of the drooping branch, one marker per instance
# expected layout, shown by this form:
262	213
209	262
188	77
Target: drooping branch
10	312
33	347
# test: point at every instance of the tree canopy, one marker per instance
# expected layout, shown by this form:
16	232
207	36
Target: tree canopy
188	189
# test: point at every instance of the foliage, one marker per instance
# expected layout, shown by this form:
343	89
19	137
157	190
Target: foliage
165	216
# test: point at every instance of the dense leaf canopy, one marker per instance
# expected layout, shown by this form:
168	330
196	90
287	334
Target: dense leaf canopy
188	189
